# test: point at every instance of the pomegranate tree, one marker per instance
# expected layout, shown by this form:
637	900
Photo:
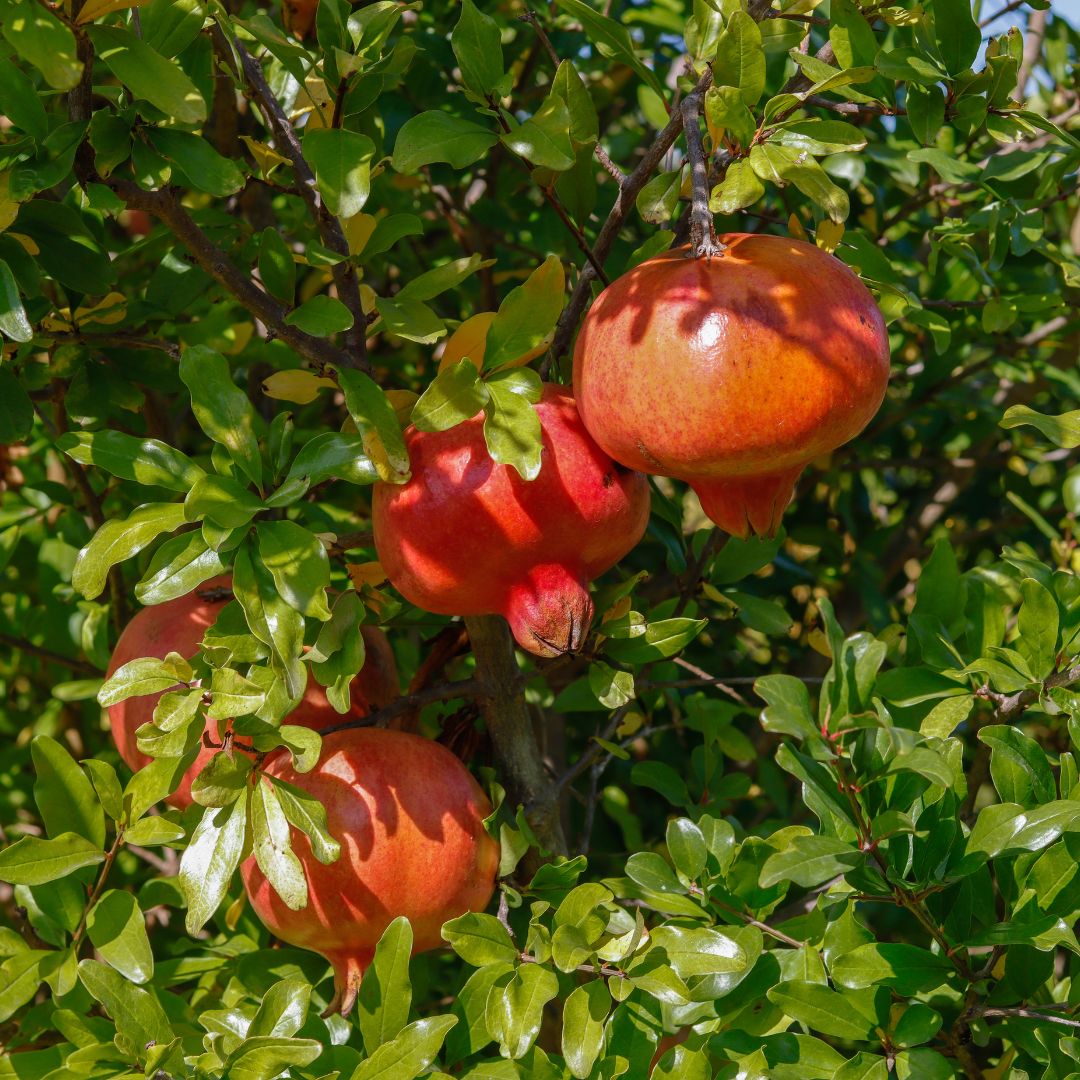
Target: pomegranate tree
468	536
409	818
178	626
732	373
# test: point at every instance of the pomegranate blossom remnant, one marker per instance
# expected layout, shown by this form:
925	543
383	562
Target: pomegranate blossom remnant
467	536
732	373
409	818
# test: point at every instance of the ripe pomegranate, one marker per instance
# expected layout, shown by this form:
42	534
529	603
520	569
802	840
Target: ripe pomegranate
732	373
466	536
409	818
178	626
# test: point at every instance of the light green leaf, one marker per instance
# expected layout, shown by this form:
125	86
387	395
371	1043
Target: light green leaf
146	461
117	929
33	861
64	795
272	845
342	163
438	136
208	862
385	993
456	394
378	425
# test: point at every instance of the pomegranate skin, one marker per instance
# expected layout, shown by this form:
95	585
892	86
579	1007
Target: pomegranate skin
466	536
409	817
178	626
732	373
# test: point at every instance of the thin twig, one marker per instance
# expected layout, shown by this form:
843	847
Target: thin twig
79	666
703	242
118	341
446	691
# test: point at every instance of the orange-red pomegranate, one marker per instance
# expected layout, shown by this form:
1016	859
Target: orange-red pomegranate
409	818
732	373
466	536
178	626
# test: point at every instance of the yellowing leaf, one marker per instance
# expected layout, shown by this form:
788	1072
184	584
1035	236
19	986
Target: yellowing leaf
107	311
59	322
366	573
267	158
829	234
795	228
321	110
367	299
94	9
468	340
29	245
301	387
9	207
402	402
618	609
358	230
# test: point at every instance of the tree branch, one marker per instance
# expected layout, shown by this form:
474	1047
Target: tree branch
164	205
703	240
330	231
502	703
81	667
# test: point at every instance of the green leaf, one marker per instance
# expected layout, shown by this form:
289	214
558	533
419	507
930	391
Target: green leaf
908	969
515	1008
612	688
21	102
821	136
222	408
787	710
265	1057
283	1010
480	939
14	324
16	410
309	816
1018	766
658	200
527	317
544	138
686	846
120	538
272	845
170	26
378	425
650	871
410	1054
204	167
477	45
661	640
584	1016
410	319
146	461
148	74
140	1020
339	651
146	675
385	993
512	429
781	165
232	695
342	163
277	268
926	111
456	394
957	33
611	38
728	117
584	123
299	564
117	929
152	831
1062	430
223	779
843	1016
810	860
40	38
208	862
65	797
179	565
438	136
20	977
1037	624
333	455
449	275
107	786
33	861
220	499
740	58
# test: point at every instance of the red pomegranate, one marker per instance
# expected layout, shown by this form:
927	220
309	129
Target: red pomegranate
178	626
466	536
732	373
409	818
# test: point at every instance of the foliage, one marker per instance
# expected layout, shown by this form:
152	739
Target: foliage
817	799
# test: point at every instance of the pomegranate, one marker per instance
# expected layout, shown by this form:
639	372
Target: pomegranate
409	818
299	16
178	626
466	536
732	373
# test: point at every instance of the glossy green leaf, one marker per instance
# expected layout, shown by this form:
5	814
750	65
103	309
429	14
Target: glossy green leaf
208	862
116	926
385	992
342	163
64	795
33	861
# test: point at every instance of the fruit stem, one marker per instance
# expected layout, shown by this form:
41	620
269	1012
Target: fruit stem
703	240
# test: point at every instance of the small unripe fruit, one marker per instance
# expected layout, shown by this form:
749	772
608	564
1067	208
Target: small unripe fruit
467	536
178	626
732	373
409	818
